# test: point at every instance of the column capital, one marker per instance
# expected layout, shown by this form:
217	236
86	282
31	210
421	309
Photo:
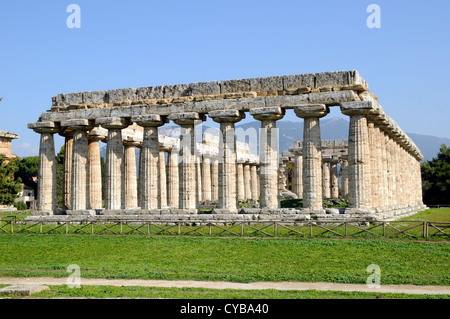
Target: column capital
358	108
226	116
311	110
44	127
113	122
187	118
149	120
267	113
97	134
78	124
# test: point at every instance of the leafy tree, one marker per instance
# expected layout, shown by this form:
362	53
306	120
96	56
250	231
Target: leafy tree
28	171
60	177
436	178
9	187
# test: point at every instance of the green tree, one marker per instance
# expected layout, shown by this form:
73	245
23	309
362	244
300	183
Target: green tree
60	177
28	171
9	186
436	178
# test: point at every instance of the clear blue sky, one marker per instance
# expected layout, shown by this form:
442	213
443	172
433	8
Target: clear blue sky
137	43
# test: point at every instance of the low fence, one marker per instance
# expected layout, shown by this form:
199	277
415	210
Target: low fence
347	229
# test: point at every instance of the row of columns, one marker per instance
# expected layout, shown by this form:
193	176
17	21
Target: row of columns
363	171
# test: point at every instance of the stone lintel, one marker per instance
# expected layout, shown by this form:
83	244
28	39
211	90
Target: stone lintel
311	110
149	120
267	113
113	122
78	124
226	116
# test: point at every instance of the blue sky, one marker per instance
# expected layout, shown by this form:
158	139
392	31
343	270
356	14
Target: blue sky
139	43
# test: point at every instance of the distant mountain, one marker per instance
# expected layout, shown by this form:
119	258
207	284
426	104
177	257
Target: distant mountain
330	128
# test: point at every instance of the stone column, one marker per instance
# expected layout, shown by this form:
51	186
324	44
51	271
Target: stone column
227	159
173	178
80	202
162	179
198	178
95	171
344	178
187	174
206	178
247	181
215	179
334	179
268	150
254	179
150	185
240	180
297	184
114	188
358	154
312	155
46	189
68	149
130	179
326	186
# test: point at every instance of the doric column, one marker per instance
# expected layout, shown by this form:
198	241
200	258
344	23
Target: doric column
114	188
227	159
173	179
240	180
334	179
150	182
254	179
268	150
162	179
215	179
130	178
344	178
247	181
198	178
297	184
206	178
187	174
95	171
68	149
326	186
46	189
80	165
312	154
358	153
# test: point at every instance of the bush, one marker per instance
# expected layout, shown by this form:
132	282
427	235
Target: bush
20	205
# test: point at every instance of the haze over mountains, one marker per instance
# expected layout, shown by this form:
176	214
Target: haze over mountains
331	128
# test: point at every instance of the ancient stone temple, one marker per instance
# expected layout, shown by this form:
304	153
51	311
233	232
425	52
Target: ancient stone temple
382	163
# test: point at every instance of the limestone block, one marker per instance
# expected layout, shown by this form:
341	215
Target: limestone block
177	90
332	98
264	84
205	88
150	92
94	97
72	98
231	86
298	81
120	95
23	290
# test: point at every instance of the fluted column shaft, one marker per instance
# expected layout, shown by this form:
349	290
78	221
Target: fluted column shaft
334	180
326	179
162	180
68	149
297	184
215	179
80	171
130	178
240	181
206	178
95	174
173	179
254	179
247	181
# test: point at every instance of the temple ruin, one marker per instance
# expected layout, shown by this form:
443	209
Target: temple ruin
382	164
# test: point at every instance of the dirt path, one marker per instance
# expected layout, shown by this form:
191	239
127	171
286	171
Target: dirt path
324	286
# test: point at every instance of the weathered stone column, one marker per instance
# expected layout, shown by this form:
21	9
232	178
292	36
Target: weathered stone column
80	201
247	181
358	153
254	181
334	179
173	179
344	178
198	178
215	179
240	180
68	149
312	154
206	178
326	186
227	159
297	184
46	189
162	179
114	188
150	185
187	173
130	179
268	150
95	171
